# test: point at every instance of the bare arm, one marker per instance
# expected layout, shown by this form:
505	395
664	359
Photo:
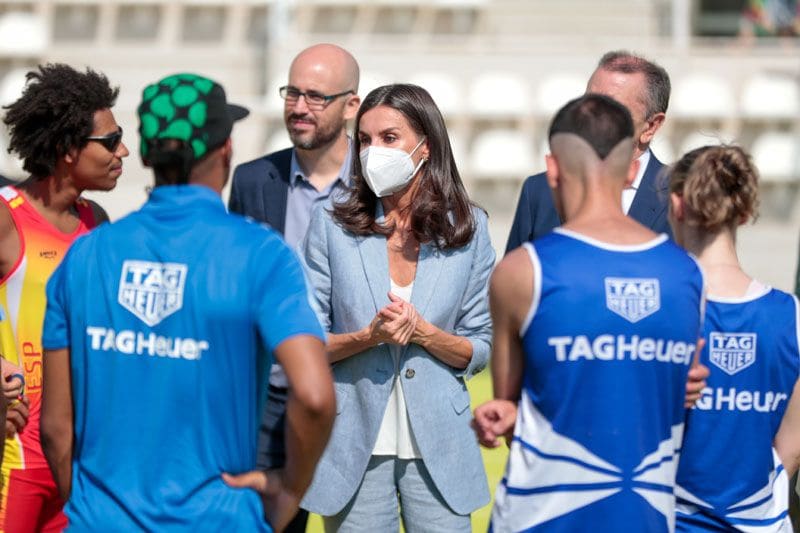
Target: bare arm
394	324
3	411
9	241
310	411
787	440
468	346
510	297
56	423
451	349
343	345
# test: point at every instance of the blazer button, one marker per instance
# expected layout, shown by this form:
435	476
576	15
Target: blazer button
410	373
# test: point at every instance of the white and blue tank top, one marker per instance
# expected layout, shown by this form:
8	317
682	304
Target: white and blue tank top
730	475
608	343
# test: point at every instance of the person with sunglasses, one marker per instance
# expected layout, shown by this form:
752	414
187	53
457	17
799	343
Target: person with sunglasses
283	187
64	131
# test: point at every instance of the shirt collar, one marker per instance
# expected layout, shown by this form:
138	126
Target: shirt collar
295	172
644	160
185	196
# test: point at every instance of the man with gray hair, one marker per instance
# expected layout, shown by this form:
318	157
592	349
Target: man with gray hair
643	87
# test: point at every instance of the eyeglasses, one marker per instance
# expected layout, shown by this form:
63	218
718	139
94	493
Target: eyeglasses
110	142
314	99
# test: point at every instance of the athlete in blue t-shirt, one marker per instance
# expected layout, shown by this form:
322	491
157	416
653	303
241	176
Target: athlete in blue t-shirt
595	330
742	440
158	333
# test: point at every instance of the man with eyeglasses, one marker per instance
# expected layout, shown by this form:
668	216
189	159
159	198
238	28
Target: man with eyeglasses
283	187
644	88
64	131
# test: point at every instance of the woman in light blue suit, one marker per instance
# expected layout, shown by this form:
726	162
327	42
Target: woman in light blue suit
400	272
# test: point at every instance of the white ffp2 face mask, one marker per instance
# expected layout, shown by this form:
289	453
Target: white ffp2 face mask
388	170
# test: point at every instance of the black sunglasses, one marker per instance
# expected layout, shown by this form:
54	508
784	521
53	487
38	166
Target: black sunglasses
110	142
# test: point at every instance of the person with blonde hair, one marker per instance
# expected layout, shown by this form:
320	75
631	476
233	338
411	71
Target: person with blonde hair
751	401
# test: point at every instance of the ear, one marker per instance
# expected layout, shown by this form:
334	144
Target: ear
633	169
676	207
227	150
553	170
351	107
71	157
424	150
652	125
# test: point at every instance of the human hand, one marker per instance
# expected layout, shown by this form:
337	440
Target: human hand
395	323
696	380
695	384
494	419
17	416
13	380
280	505
422	328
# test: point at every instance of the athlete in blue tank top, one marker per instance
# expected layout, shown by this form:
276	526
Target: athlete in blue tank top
596	326
742	436
159	328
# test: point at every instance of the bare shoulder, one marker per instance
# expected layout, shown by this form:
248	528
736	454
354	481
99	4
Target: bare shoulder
514	266
6	221
9	241
512	279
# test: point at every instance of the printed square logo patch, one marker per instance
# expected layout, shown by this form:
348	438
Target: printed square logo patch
732	352
152	291
633	298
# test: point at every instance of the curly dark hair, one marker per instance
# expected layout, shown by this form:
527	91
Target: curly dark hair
441	211
55	114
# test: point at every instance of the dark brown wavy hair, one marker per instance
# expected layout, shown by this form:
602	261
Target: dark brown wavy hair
441	211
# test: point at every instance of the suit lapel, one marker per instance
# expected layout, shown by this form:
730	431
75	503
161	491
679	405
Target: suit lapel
276	190
429	268
647	203
375	262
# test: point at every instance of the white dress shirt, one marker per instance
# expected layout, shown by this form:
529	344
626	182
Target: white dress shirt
395	436
630	192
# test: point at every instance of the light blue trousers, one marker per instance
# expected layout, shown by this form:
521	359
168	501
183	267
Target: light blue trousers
391	483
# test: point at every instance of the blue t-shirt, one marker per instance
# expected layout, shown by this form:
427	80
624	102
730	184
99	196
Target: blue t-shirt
607	344
170	315
730	475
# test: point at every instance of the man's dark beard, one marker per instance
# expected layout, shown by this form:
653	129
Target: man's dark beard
321	137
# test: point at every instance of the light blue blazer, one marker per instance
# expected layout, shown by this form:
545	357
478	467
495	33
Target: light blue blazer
350	278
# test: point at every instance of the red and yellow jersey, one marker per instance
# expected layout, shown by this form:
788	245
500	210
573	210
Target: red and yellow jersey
22	308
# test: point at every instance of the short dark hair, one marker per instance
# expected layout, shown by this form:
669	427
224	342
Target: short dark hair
597	119
658	84
55	114
441	212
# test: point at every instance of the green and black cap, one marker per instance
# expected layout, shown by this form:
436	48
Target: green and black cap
187	108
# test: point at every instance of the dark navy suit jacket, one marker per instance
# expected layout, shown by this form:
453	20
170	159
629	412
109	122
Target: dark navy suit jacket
536	213
260	188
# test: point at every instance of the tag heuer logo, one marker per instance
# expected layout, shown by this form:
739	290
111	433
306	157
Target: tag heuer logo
633	298
152	291
732	352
